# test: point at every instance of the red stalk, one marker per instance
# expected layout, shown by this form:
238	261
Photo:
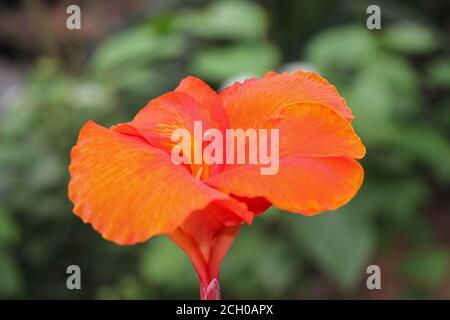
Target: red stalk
212	292
207	269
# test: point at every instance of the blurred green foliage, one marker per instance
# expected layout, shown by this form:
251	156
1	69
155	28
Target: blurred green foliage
396	81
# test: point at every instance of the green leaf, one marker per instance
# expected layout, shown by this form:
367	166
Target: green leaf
439	73
46	172
427	267
426	145
9	230
128	288
383	92
397	201
340	50
372	102
11	282
408	37
218	64
140	80
136	47
260	265
224	20
399	198
341	243
442	114
401	79
165	264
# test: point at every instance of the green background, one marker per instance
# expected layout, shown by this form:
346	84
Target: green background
396	80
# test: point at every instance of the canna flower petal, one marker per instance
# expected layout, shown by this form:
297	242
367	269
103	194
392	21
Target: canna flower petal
314	130
206	239
317	145
302	185
130	191
211	107
193	100
252	103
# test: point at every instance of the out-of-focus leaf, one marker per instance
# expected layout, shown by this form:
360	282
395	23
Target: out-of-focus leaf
401	80
408	37
136	47
218	64
372	101
442	115
385	88
165	264
13	122
399	199
427	267
224	20
426	145
9	230
339	51
143	81
11	282
90	95
258	263
46	172
127	288
341	243
439	73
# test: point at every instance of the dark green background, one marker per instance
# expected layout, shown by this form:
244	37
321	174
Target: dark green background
396	80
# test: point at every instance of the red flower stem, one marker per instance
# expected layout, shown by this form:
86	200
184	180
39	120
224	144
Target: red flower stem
212	292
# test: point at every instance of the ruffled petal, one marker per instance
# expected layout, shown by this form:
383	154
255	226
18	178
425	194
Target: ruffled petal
252	103
302	185
317	145
161	117
192	101
315	130
130	191
211	107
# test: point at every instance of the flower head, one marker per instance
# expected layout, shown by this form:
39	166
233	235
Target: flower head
124	182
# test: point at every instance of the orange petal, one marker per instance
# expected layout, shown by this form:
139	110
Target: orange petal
205	237
255	205
206	269
156	121
312	137
211	107
302	185
188	244
203	225
252	103
129	190
222	243
193	100
315	130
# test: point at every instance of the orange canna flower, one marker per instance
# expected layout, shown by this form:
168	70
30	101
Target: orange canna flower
125	185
